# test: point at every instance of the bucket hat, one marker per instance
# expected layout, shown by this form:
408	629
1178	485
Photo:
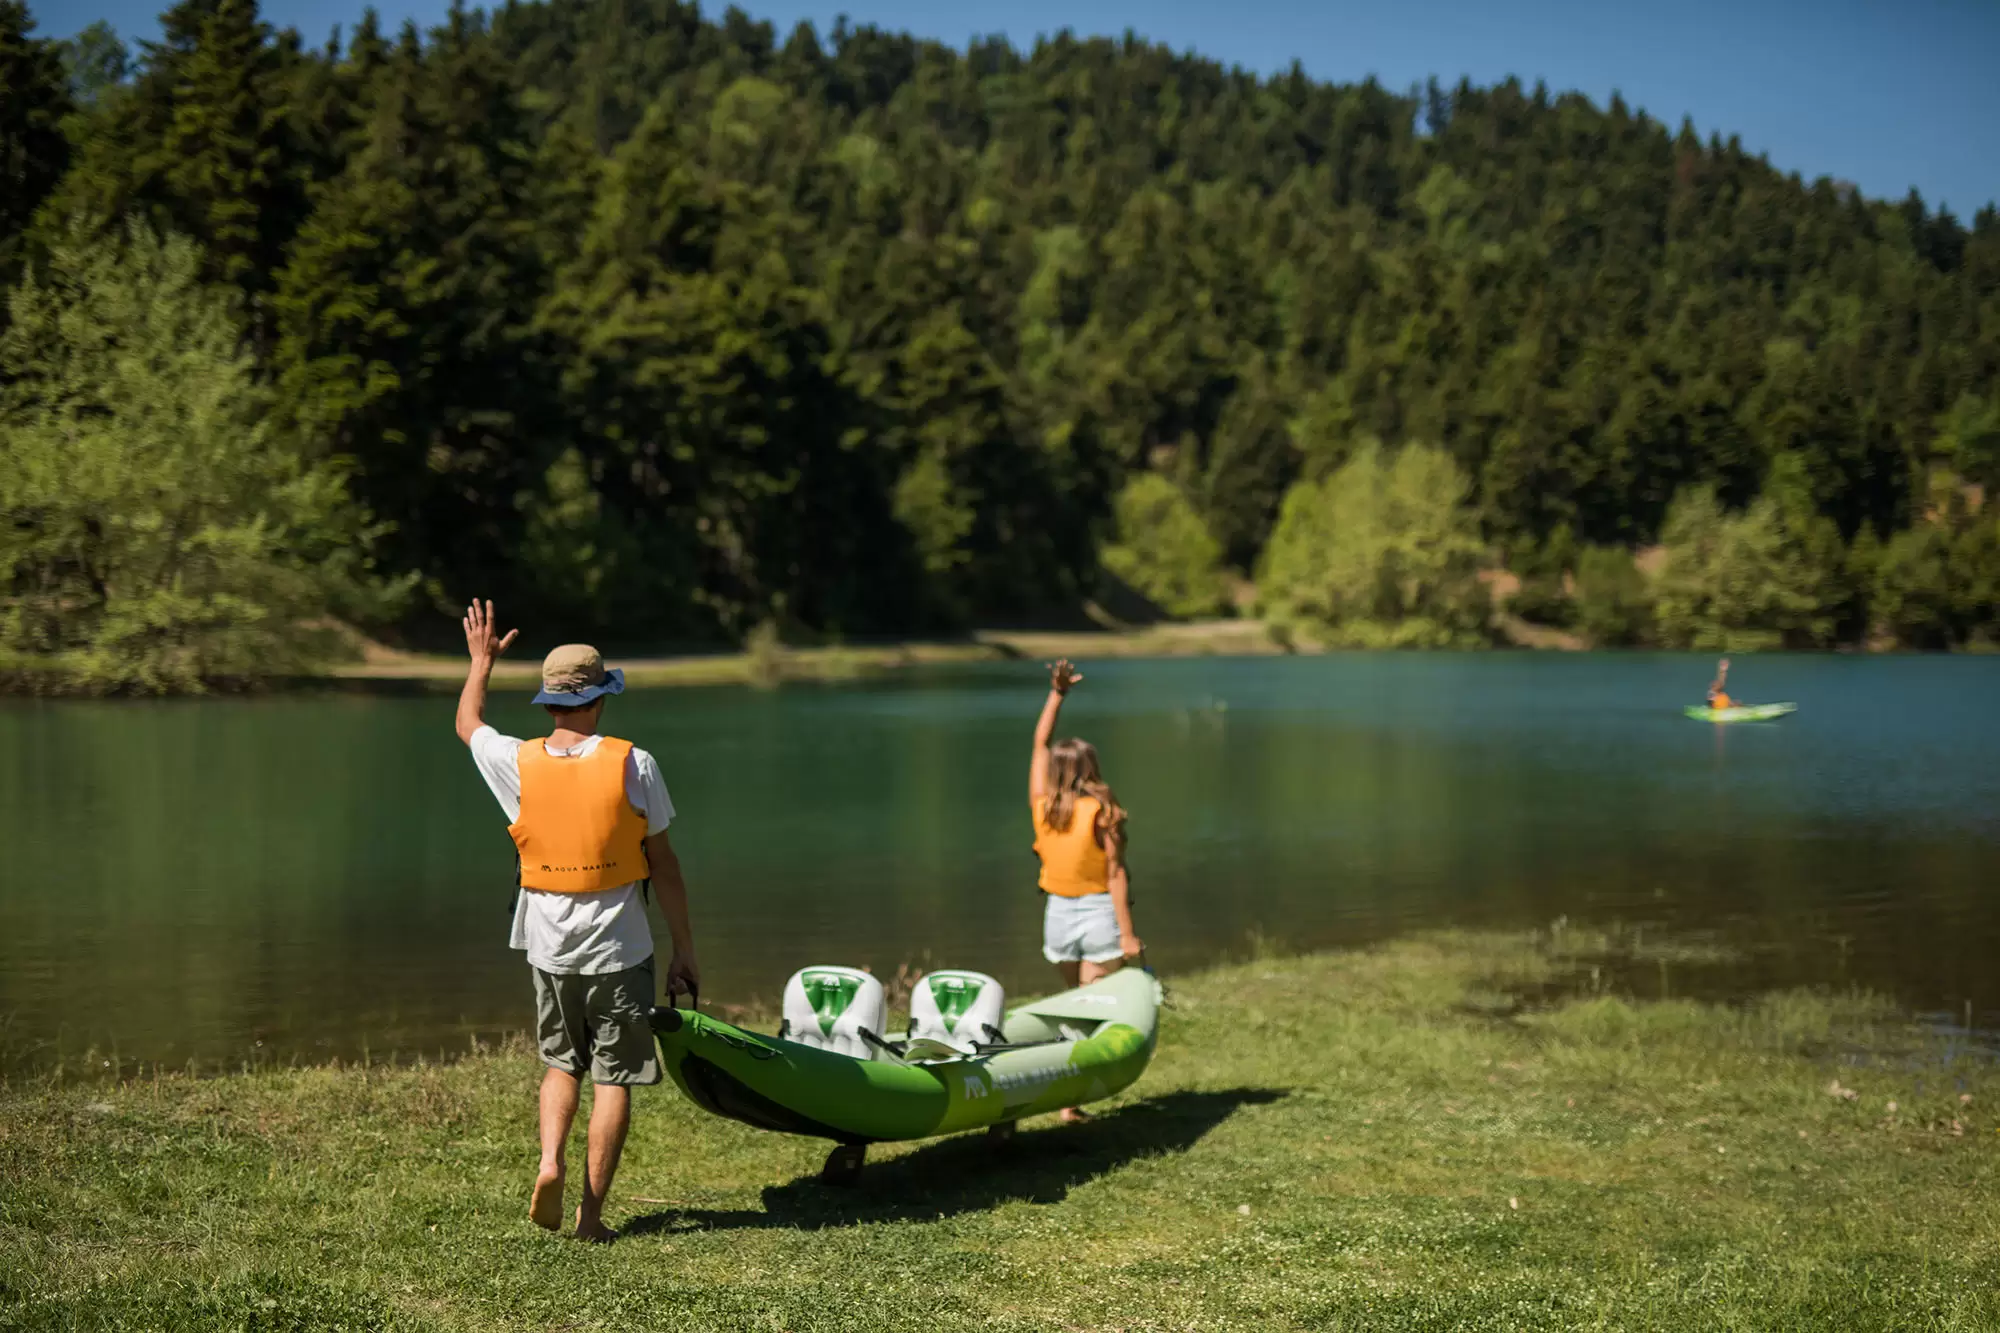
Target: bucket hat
574	674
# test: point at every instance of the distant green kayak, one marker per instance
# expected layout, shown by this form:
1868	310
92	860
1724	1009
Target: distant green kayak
1741	713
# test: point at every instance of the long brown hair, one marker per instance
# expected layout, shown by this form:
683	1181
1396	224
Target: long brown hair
1073	772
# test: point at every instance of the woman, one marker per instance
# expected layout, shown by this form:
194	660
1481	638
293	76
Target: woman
1080	837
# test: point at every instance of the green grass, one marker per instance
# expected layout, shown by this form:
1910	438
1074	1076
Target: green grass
1350	1141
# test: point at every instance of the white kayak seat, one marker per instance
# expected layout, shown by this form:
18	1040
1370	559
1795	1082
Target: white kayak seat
831	1007
957	1009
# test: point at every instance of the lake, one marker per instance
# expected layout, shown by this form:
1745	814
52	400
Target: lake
309	876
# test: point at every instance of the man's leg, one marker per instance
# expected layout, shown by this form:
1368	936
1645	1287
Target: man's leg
564	1038
610	1117
560	1092
623	1053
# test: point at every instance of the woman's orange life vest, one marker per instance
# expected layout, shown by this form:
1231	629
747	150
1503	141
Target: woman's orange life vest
1718	700
1074	865
578	832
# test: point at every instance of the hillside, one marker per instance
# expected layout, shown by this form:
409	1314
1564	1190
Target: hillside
672	326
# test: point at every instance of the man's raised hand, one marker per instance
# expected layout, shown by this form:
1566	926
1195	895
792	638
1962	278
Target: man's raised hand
481	641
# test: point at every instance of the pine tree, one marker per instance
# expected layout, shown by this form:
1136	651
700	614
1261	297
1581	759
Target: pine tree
34	98
221	161
406	313
97	62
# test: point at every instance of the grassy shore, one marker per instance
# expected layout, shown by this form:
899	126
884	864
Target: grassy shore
775	664
1436	1134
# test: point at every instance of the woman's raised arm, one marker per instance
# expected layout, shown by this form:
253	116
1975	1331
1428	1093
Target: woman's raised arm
1062	675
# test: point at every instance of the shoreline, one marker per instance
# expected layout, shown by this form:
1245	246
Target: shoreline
1216	638
378	667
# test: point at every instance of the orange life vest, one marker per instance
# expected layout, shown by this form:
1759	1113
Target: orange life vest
1719	701
1074	864
578	832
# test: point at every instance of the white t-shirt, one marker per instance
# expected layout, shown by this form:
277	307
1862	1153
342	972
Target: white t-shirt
581	933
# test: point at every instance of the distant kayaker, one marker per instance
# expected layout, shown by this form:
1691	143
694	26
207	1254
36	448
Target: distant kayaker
1080	837
1717	697
589	816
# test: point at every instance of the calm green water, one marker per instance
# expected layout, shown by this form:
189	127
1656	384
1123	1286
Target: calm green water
315	876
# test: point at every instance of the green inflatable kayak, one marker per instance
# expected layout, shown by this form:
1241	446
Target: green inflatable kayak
961	1064
1740	713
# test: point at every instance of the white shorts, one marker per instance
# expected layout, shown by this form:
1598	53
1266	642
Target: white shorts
1081	929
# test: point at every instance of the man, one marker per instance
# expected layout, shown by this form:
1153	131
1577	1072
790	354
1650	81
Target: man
589	815
1718	696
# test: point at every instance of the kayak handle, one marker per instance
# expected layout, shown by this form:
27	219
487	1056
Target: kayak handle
669	1019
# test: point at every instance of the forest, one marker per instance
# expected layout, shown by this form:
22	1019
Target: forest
673	329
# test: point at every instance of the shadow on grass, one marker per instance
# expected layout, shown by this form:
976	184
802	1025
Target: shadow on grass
967	1173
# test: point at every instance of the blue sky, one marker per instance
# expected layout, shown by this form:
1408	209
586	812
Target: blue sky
1885	95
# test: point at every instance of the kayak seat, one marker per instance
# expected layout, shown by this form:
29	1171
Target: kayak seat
957	1009
840	1009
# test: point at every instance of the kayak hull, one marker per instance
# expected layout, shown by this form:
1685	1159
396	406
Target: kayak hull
1080	1046
1741	713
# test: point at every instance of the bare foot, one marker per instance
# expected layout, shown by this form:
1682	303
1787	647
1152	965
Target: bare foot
1071	1115
594	1233
545	1204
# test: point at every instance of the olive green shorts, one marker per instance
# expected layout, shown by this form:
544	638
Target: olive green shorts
599	1025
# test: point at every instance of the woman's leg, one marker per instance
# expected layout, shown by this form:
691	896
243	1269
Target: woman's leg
1085	973
1059	937
1098	971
